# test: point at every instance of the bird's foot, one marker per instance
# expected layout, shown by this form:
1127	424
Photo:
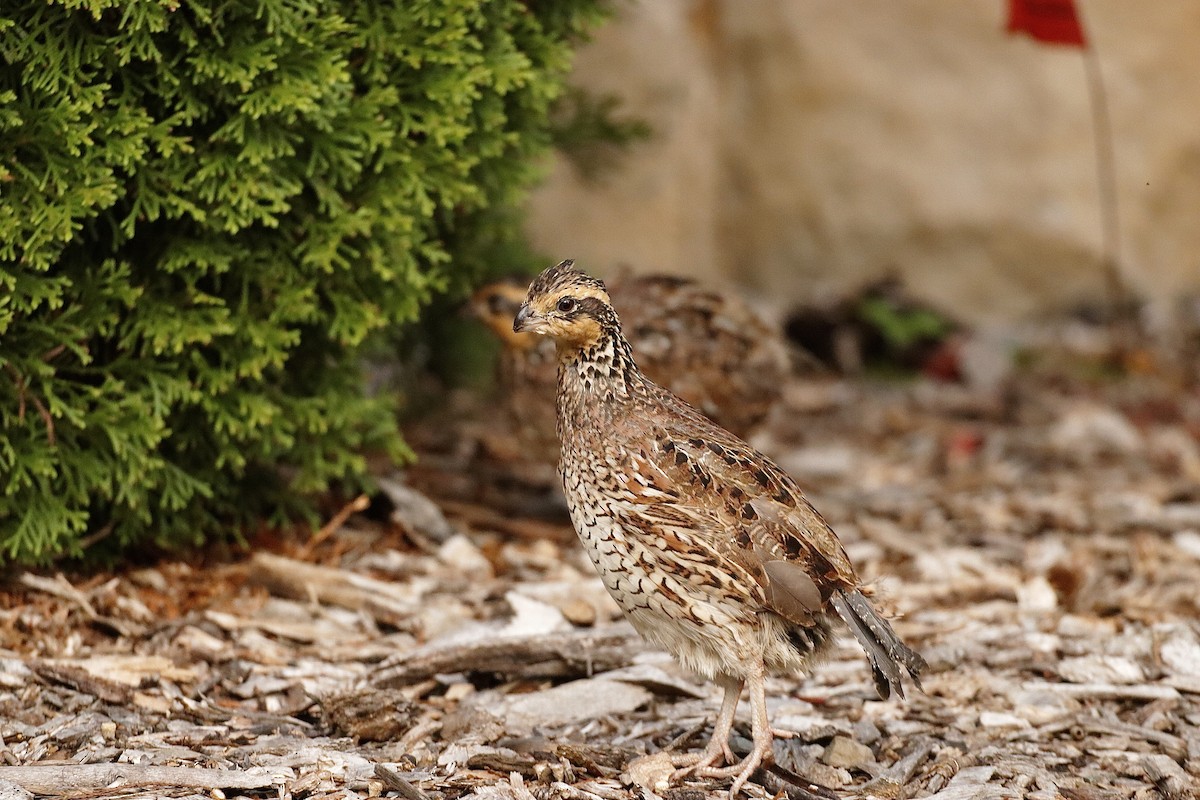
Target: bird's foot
689	763
760	755
740	772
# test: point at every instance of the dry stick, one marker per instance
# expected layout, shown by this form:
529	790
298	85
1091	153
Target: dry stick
359	503
37	404
392	779
64	778
59	586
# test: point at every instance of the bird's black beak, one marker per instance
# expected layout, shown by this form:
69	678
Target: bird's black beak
523	318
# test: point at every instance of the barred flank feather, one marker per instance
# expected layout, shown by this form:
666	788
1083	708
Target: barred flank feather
884	649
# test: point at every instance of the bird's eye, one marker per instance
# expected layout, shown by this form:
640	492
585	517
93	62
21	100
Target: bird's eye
566	305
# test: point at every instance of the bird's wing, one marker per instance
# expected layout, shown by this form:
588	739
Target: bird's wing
690	475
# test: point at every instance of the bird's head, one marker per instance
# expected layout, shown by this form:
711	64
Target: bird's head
496	304
569	306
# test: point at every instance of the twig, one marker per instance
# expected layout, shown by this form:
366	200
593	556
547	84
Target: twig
41	409
59	587
356	505
396	782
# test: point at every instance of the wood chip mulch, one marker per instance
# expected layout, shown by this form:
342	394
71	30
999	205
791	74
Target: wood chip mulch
1041	547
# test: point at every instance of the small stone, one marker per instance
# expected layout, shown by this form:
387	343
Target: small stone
579	612
846	753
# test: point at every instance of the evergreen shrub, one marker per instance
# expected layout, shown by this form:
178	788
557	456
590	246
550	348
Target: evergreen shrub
208	208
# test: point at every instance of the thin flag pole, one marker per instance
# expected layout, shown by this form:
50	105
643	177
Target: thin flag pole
1059	22
1106	180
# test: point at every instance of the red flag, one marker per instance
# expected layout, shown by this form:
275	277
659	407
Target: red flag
1051	21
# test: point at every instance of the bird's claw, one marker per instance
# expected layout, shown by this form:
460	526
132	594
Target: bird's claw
694	763
741	772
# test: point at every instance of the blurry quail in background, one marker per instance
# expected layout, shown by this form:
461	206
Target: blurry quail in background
526	372
710	550
707	347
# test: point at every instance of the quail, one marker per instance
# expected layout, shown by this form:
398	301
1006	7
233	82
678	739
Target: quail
711	551
526	372
708	347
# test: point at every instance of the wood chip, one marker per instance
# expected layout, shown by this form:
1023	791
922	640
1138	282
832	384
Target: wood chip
371	715
70	778
1108	690
82	680
1168	776
558	655
585	699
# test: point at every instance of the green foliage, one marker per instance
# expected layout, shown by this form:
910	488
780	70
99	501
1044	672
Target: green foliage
208	209
903	327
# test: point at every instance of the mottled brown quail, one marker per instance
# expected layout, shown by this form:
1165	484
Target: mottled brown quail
705	346
711	550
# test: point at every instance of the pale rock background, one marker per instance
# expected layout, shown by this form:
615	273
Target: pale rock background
802	147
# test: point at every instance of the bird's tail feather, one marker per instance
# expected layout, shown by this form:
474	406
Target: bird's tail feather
885	651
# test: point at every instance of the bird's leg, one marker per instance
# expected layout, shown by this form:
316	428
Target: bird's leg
763	736
718	744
